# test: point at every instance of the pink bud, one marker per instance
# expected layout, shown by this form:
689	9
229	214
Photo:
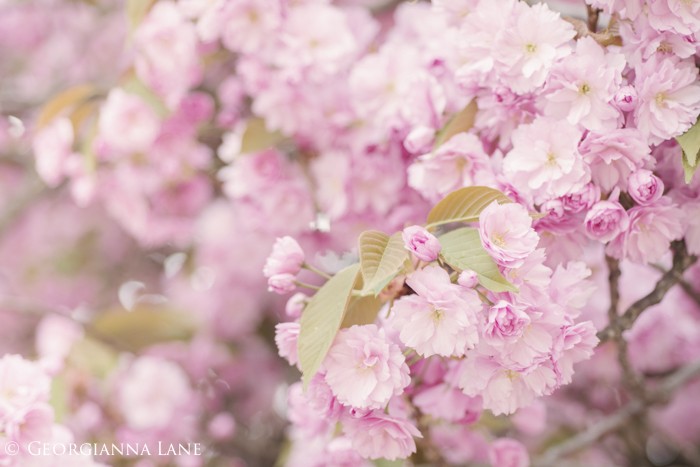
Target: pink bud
422	243
468	279
296	304
281	283
645	187
222	426
626	98
419	140
286	258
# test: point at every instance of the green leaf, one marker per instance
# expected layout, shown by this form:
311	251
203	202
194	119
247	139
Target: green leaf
387	463
256	137
462	250
64	101
144	326
133	85
136	11
464	205
688	169
362	310
461	122
381	257
690	145
321	320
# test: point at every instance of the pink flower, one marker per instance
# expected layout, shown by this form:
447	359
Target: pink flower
246	26
377	435
321	399
468	279
651	230
166	52
127	123
281	283
506	233
582	200
669	97
364	369
582	87
22	383
626	98
680	16
286	258
53	147
295	305
641	41
286	338
574	344
32	423
441	318
532	41
606	220
421	243
507	452
645	187
506	323
545	161
613	155
455	164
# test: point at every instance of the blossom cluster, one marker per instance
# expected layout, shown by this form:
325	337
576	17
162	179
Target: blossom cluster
154	152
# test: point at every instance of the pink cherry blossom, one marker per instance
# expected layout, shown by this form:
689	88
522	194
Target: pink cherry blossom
669	97
441	318
468	279
377	435
583	85
286	337
506	323
53	147
127	123
645	187
545	161
282	283
364	369
507	452
606	220
506	233
626	98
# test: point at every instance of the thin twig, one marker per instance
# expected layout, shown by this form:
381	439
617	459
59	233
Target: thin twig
681	261
619	418
593	14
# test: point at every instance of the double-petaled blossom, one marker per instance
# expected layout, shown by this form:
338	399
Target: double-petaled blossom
645	187
651	229
545	161
376	435
669	97
364	369
286	258
606	219
613	155
286	338
507	452
506	233
441	318
582	87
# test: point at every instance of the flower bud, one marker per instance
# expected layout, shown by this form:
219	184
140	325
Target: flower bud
281	283
468	279
606	219
626	98
422	243
645	187
286	258
296	304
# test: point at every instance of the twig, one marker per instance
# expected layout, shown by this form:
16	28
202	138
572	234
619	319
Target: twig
681	261
619	418
317	271
592	18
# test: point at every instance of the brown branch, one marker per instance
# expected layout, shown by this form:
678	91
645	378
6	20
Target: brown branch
619	418
681	261
593	14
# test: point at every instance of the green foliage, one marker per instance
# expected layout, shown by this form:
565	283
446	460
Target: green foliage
690	145
136	11
256	137
362	310
381	257
460	123
462	250
464	205
322	318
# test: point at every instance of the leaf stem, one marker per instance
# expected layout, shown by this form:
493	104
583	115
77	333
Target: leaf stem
484	297
307	286
317	271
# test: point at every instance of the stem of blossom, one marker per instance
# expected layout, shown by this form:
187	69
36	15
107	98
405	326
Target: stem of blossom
414	360
307	286
484	297
317	271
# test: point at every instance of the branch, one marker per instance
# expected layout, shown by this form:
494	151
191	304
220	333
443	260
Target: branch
619	418
681	261
592	18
